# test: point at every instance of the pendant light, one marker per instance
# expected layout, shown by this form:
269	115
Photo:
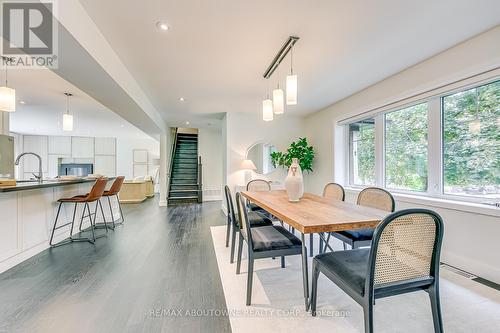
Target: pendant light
475	125
278	98
7	95
291	84
67	118
267	109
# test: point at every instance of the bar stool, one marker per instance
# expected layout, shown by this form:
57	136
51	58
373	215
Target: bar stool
93	196
113	192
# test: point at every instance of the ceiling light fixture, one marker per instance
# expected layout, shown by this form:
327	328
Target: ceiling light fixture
162	26
267	109
7	95
291	84
278	102
67	118
187	122
181	99
22	102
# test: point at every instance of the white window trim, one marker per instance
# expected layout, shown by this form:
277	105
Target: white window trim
444	203
435	171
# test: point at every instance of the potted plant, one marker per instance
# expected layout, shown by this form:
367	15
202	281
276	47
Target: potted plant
299	156
300	150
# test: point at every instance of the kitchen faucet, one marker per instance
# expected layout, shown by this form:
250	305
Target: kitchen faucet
39	176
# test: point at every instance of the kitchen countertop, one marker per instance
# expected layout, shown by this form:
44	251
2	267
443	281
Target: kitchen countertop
34	185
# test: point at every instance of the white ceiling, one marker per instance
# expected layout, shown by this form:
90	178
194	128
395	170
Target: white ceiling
45	102
216	51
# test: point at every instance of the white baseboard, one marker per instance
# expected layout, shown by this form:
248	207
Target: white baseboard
212	198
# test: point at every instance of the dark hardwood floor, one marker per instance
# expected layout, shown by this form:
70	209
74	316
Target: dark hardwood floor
156	273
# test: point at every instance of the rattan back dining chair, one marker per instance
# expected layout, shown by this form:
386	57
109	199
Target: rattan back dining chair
263	242
255	220
373	197
334	191
403	258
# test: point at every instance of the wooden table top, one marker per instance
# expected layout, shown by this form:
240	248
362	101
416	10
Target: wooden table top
313	213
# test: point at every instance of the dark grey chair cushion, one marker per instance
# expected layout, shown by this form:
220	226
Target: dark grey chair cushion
257	220
358	235
273	238
347	267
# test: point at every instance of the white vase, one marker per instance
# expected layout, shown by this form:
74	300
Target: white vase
294	182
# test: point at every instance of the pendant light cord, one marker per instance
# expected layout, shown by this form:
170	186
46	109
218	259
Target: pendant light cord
291	60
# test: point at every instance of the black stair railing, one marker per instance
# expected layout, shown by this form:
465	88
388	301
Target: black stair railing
172	156
200	177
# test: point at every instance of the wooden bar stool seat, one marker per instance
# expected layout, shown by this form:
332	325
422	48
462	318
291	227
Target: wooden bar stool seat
94	195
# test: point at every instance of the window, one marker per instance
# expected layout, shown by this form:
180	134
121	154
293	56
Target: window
471	142
362	152
446	146
406	148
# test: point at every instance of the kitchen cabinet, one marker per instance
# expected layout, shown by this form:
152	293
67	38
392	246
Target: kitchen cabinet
82	147
35	144
105	165
59	145
105	146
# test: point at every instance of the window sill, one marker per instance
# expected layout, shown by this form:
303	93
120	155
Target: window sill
468	207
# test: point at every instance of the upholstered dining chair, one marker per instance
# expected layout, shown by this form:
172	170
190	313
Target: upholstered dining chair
263	242
255	220
403	258
334	191
370	197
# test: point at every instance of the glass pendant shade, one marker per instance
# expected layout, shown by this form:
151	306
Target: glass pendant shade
267	110
291	90
278	101
67	122
7	99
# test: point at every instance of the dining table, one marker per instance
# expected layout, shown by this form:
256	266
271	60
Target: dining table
314	214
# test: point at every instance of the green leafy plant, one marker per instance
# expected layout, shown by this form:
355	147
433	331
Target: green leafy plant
299	149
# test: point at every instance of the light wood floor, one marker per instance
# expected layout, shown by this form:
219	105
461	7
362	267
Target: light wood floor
156	273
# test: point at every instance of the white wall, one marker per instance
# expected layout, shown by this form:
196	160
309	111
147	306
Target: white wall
211	150
243	130
471	234
124	154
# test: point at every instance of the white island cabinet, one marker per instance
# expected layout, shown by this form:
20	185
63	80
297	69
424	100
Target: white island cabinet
28	211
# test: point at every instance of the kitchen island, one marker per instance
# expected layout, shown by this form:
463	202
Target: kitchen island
27	216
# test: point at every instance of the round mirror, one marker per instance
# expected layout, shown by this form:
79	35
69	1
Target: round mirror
260	154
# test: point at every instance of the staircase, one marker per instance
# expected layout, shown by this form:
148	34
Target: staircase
184	172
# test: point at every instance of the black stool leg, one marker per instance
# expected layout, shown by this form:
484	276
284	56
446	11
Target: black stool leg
122	218
103	216
55	223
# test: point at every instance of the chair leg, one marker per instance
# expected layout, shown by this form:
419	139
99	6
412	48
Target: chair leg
282	261
368	314
111	212
73	221
83	216
436	308
240	248
122	218
311	250
327	241
228	231
233	244
92	223
55	223
314	288
249	280
103	216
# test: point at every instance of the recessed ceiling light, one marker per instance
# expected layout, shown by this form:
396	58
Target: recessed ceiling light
187	122
22	102
122	126
162	26
181	99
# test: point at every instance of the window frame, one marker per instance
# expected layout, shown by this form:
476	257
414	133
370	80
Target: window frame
435	146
